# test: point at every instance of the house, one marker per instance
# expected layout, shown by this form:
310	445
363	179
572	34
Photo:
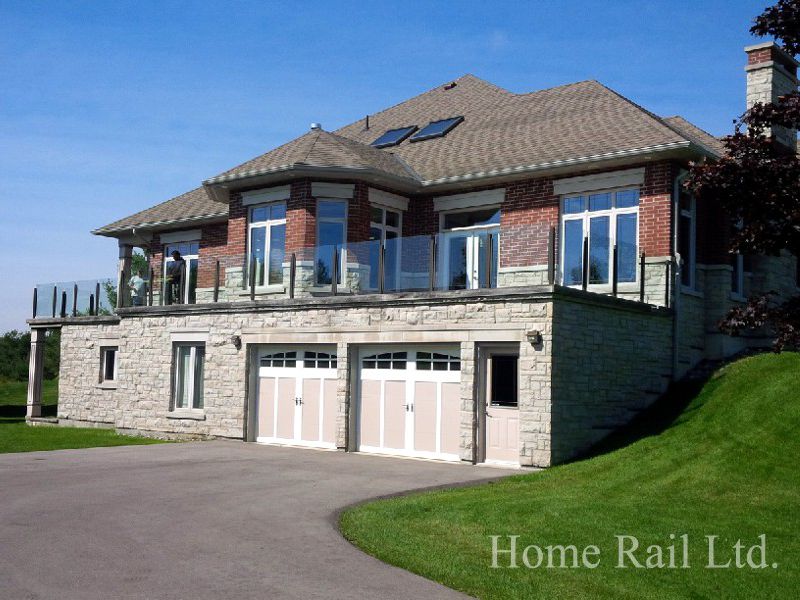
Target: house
469	275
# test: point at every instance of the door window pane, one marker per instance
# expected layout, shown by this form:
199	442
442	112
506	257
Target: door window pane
392	219
331	235
277	251
573	252
277	212
258	238
457	263
257	215
626	247
598	250
627	198
504	381
573	205
376	215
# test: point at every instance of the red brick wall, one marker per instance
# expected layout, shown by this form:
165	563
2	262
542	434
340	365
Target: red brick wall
655	209
529	210
301	229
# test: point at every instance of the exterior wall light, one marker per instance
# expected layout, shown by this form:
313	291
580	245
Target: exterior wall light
534	337
236	341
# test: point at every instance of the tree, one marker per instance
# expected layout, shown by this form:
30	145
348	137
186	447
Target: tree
757	184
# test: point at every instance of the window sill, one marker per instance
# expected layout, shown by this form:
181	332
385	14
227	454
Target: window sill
692	292
193	414
107	385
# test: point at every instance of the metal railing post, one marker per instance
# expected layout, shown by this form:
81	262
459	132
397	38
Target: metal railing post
150	283
585	273
55	300
615	266
641	277
432	264
292	273
216	282
63	312
335	272
97	298
35	301
253	281
666	285
91	304
381	267
551	256
182	286
75	300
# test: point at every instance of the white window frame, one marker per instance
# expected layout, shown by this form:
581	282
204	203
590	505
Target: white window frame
585	217
444	252
383	227
268	225
689	262
343	248
104	352
187	258
193	346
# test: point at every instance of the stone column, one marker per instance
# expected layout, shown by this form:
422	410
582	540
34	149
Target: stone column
36	373
124	274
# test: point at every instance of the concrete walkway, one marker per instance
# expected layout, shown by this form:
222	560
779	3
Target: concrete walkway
200	520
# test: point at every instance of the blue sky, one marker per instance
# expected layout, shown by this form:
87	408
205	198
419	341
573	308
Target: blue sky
108	108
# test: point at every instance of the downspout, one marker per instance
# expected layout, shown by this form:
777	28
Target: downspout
676	277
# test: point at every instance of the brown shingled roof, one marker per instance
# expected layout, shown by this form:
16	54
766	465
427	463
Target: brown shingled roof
696	135
191	206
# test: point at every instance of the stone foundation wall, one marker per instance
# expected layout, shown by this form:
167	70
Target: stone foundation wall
608	364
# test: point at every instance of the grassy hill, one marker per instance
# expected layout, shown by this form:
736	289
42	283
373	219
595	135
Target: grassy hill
726	465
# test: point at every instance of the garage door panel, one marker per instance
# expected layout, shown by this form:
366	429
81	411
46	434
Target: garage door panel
330	408
286	408
425	393
311	410
266	407
394	427
451	418
371	413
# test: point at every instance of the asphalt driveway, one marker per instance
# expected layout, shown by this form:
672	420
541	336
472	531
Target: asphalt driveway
200	520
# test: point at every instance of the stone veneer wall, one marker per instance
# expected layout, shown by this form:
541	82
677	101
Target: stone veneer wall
609	362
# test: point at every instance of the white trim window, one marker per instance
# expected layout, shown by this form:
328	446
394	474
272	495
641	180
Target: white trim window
190	253
384	232
687	239
331	233
108	363
605	219
464	245
189	361
266	238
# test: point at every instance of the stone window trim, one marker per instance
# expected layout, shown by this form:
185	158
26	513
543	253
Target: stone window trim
265	195
189	335
387	200
484	199
599	182
109	365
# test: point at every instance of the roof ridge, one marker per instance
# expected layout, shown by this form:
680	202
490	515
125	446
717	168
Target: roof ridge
356	144
558	87
708	133
319	132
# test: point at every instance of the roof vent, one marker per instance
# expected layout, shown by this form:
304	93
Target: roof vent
451	85
316	126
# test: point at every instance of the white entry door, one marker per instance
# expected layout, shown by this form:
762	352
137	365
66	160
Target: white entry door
501	396
410	401
297	396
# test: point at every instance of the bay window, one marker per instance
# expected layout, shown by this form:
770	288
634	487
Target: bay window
687	238
267	239
603	219
331	235
189	362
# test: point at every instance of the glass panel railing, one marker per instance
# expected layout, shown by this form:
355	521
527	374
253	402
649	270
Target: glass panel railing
74	298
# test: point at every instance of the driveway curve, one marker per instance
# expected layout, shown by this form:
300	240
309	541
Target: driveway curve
201	520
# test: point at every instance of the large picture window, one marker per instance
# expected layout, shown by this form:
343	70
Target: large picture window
267	239
189	364
331	235
180	277
603	219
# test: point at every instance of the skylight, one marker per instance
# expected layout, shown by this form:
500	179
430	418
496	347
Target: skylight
394	137
436	129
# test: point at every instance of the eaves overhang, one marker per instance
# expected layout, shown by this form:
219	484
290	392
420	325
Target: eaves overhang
152	226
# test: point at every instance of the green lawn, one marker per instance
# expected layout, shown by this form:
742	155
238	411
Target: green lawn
726	465
17	436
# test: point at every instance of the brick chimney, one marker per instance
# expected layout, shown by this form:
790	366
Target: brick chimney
771	73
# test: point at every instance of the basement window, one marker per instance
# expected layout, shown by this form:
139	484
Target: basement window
108	364
436	129
394	137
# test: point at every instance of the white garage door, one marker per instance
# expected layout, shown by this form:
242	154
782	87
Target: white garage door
409	401
297	396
